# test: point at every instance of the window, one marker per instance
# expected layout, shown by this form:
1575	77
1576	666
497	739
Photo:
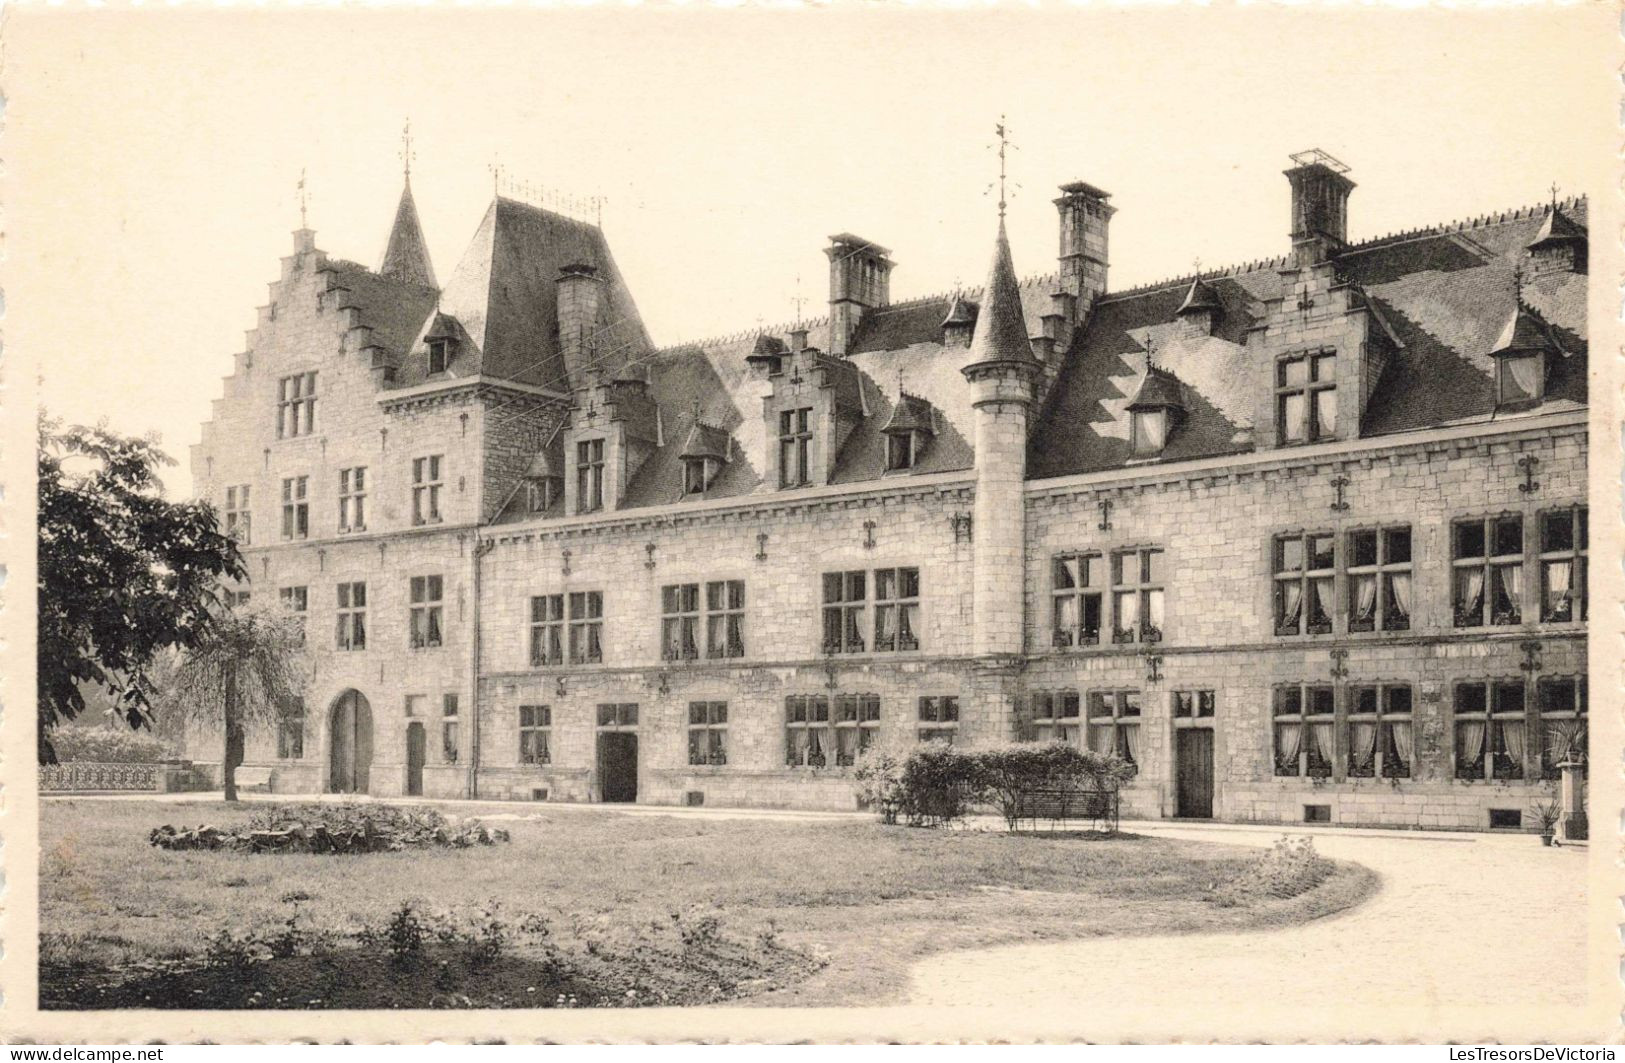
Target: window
725	618
290	729
1487	555
897	609
295	508
1148	431
352	616
426	485
857	721
415	705
1055	716
296	600
353	499
1114	723
1303	724
449	737
586	627
680	621
1563	564
806	723
589	476
1306	397
1490	735
535	734
541	493
846	596
1379	570
1518	378
296	405
239	518
1379	732
795	448
546	630
238	599
439	356
708	732
939	718
699	474
1194	704
1304	567
425	627
1076	595
618	716
1562	702
899	451
1137	595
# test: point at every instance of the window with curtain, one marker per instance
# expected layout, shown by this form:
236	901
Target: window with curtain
939	718
1306	397
1303	715
1076	594
897	609
1114	723
1379	731
1563	564
846	598
1519	377
1305	570
795	447
1562	720
806	730
857	722
708	732
1490	736
1137	595
725	618
1055	716
589	475
1487	570
425	618
1379	578
680	622
290	729
586	627
535	734
546	630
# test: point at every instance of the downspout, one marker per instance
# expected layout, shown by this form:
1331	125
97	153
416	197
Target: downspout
481	548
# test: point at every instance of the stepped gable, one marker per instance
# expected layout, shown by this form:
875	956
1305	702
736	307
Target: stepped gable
1445	293
388	310
504	295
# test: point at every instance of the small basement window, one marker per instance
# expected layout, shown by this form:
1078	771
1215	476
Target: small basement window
1317	813
693	798
538	793
1505	819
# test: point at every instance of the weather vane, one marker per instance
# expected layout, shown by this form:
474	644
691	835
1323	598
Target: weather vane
798	300
406	150
302	198
496	176
1003	133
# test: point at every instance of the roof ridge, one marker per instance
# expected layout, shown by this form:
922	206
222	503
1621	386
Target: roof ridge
1461	225
749	333
1184	280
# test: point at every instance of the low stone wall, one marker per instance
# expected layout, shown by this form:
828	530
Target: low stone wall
90	776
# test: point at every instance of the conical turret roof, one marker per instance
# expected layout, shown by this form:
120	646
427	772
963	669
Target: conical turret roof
1001	327
406	258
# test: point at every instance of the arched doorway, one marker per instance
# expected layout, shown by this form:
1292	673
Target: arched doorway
349	744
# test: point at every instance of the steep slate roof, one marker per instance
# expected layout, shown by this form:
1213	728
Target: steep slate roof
1445	294
503	295
1158	389
1001	327
392	309
406	258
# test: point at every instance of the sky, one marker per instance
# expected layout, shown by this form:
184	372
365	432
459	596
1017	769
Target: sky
153	157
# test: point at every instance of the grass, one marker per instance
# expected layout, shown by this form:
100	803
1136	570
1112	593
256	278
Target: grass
825	913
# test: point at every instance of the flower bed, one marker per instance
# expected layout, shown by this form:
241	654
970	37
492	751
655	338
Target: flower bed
346	828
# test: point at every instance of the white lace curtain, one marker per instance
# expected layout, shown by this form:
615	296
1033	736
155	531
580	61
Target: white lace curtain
1401	733
1363	745
1365	597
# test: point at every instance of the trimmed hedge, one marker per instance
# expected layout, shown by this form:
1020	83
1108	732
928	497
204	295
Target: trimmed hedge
107	745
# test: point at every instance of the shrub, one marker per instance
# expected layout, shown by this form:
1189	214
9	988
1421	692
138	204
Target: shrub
879	776
939	784
333	828
1006	773
1289	867
108	746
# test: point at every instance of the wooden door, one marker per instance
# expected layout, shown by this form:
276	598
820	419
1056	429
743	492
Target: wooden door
349	744
617	766
416	754
1194	772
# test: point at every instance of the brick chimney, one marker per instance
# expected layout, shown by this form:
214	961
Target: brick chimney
578	299
859	280
1320	199
1085	219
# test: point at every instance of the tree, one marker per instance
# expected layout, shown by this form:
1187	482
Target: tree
247	667
123	573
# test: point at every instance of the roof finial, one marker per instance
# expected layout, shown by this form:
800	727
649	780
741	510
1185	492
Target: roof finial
1196	264
1003	133
1150	351
899	382
1554	195
798	300
406	150
1518	278
302	203
496	176
694	410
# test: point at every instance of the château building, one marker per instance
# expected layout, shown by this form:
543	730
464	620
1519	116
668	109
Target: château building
1304	539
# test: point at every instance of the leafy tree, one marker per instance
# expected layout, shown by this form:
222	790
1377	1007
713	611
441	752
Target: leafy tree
247	666
123	573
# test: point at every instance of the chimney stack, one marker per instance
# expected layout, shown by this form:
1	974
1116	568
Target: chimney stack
1085	218
859	280
578	299
1320	198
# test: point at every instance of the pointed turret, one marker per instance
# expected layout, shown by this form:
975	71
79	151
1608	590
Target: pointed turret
1001	328
406	259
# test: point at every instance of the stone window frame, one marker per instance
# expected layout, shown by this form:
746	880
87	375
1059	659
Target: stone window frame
545	630
412	706
296	600
622	716
1387	712
1488	565
295	508
1576	555
1383	571
809	732
351	613
585	632
795	447
541	493
428	479
1499	709
535	735
1310	390
938	718
1113	706
1148	590
296	405
1578	710
1048	713
441	352
1307	760
702	619
848	608
901	604
855	719
901	451
589	468
353	499
451	747
1203	707
239	513
237	599
708	733
1140	438
1304	578
1089	582
426	628
290	729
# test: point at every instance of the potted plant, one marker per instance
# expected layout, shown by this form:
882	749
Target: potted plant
1547	812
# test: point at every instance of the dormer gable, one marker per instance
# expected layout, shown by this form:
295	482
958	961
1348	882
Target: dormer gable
960	323
706	449
614	428
1520	354
1558	246
1155	412
815	403
1200	310
908	431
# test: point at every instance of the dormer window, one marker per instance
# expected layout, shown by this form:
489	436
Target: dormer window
441	343
1520	359
1149	431
439	356
705	452
911	425
1519	379
698	474
541	494
1153	413
899	451
1306	397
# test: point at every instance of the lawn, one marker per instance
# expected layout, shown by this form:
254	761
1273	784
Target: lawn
667	909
